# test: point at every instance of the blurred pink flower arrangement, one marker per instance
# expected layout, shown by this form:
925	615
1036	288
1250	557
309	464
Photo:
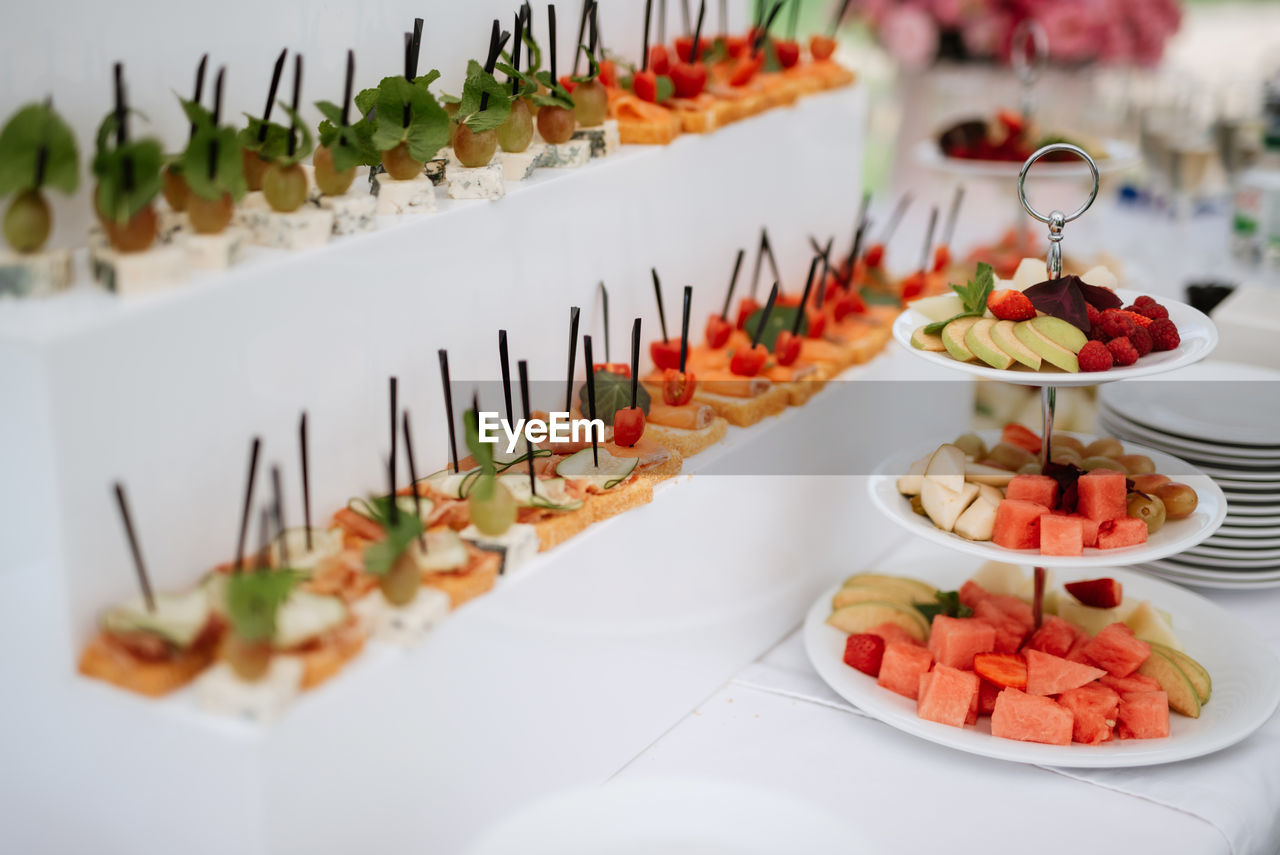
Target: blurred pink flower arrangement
1115	32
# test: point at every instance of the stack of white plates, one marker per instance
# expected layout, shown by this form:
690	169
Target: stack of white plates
1224	419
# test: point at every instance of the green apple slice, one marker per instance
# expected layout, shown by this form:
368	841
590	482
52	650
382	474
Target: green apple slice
860	617
921	592
922	340
1003	335
1194	671
953	338
1182	694
1051	352
1066	335
979	341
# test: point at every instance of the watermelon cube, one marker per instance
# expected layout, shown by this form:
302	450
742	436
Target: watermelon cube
1061	535
972	716
1017	524
1133	683
1076	653
1054	636
1049	675
1117	650
1009	631
971	593
1030	718
946	694
901	667
955	641
1123	531
987	692
1089	529
1040	489
1093	710
891	632
1103	495
1143	715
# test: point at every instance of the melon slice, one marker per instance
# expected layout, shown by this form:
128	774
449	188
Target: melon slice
1118	651
1143	715
1093	711
902	667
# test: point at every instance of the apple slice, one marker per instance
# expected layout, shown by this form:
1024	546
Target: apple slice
945	506
1051	352
1066	335
947	467
922	340
1182	694
1194	671
953	339
1003	335
979	341
938	308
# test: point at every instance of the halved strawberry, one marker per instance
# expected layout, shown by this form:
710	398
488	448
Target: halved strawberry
1003	669
864	651
1104	593
1010	305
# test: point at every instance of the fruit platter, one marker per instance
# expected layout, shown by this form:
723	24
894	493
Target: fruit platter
1102	502
947	652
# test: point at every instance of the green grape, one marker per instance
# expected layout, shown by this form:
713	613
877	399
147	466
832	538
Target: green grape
136	235
556	124
27	222
400	584
255	168
285	187
331	181
176	191
399	164
209	217
474	149
249	659
493	513
516	132
590	103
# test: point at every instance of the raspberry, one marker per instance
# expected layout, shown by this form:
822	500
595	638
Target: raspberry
1122	351
1093	313
1138	320
1144	300
1094	356
1152	310
1114	323
1141	341
1164	334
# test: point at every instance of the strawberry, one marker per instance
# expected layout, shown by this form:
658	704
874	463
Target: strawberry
1010	305
864	652
1003	669
1104	593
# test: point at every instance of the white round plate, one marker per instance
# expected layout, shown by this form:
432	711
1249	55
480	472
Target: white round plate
1253	582
1246	679
1228	455
1209	562
1119	155
1254	514
1214	574
1199	338
1244	478
1259	523
1231	553
1172	537
1204	401
1231	537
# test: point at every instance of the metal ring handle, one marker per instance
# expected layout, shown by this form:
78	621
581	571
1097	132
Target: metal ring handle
1050	149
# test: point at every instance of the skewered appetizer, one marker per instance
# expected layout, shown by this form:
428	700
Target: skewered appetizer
343	145
212	167
39	151
128	174
410	126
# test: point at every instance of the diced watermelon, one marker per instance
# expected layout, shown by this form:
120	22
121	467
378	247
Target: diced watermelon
1015	608
1040	489
1009	630
1089	530
891	632
971	593
971	717
1055	636
946	694
902	666
1117	650
1143	715
987	693
1102	495
955	641
1076	653
1061	535
1124	531
1048	674
1017	524
1093	711
1133	683
1030	718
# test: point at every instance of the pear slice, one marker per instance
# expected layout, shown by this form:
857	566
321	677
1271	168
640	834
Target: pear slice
880	592
979	519
922	340
938	308
1093	620
979	341
1031	271
991	493
1051	352
947	466
1003	335
911	483
953	338
980	473
945	506
1182	694
1066	335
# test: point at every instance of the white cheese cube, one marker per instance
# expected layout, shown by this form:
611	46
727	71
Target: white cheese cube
38	274
138	272
313	190
451	161
215	252
604	138
517	545
352	212
480	182
408	196
566	155
171	223
401	624
304	228
252	201
220	690
519	165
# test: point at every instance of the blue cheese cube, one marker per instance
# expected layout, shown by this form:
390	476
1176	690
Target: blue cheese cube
604	139
219	690
171	223
567	155
517	545
313	189
481	182
304	228
519	165
215	252
39	274
252	202
408	196
435	169
401	624
130	273
352	212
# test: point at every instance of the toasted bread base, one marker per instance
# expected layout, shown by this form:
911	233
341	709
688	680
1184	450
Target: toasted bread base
112	664
638	491
556	529
668	469
800	391
648	133
329	656
685	441
463	587
745	412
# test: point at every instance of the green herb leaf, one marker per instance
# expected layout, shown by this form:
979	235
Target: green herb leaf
478	84
593	67
228	170
365	100
974	294
613	393
33	127
781	318
937	327
304	143
116	200
481	451
948	603
351	145
273	144
664	89
381	556
254	600
428	128
528	85
555	96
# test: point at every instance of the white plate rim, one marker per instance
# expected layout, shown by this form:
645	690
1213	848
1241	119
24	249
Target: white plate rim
824	646
1199	338
1214	582
1248	458
1214	575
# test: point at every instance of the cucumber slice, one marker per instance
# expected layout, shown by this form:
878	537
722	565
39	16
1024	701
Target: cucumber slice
404	503
610	472
305	616
552	494
503	466
455	485
178	618
445	551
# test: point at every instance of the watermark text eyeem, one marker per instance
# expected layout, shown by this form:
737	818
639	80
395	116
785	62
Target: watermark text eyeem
559	427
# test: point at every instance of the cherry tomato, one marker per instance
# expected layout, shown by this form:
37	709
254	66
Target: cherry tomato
690	78
622	369
747	363
941	257
746	309
718	330
822	46
659	59
786	349
684	47
736	46
817	323
677	388
567	82
645	85
628	426
850	303
608	73
665	354
913	285
745	69
874	255
788	52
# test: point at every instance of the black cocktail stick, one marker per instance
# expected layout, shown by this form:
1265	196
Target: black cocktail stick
497	40
657	292
515	51
826	272
804	299
271	94
199	91
953	215
684	332
635	361
217	117
413	478
551	39
574	313
254	448
394	410
662	22
591	400
733	283
857	224
277	510
523	367
648	15
346	87
416	48
506	373
858	238
839	16
583	14
306	476
448	407
896	217
139	567
927	251
297	99
764	317
697	31
604	310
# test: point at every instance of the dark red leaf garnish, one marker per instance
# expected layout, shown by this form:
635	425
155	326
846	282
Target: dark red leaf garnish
1066	474
1061	298
1098	297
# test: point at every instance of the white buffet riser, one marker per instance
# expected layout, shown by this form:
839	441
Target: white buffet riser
559	677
